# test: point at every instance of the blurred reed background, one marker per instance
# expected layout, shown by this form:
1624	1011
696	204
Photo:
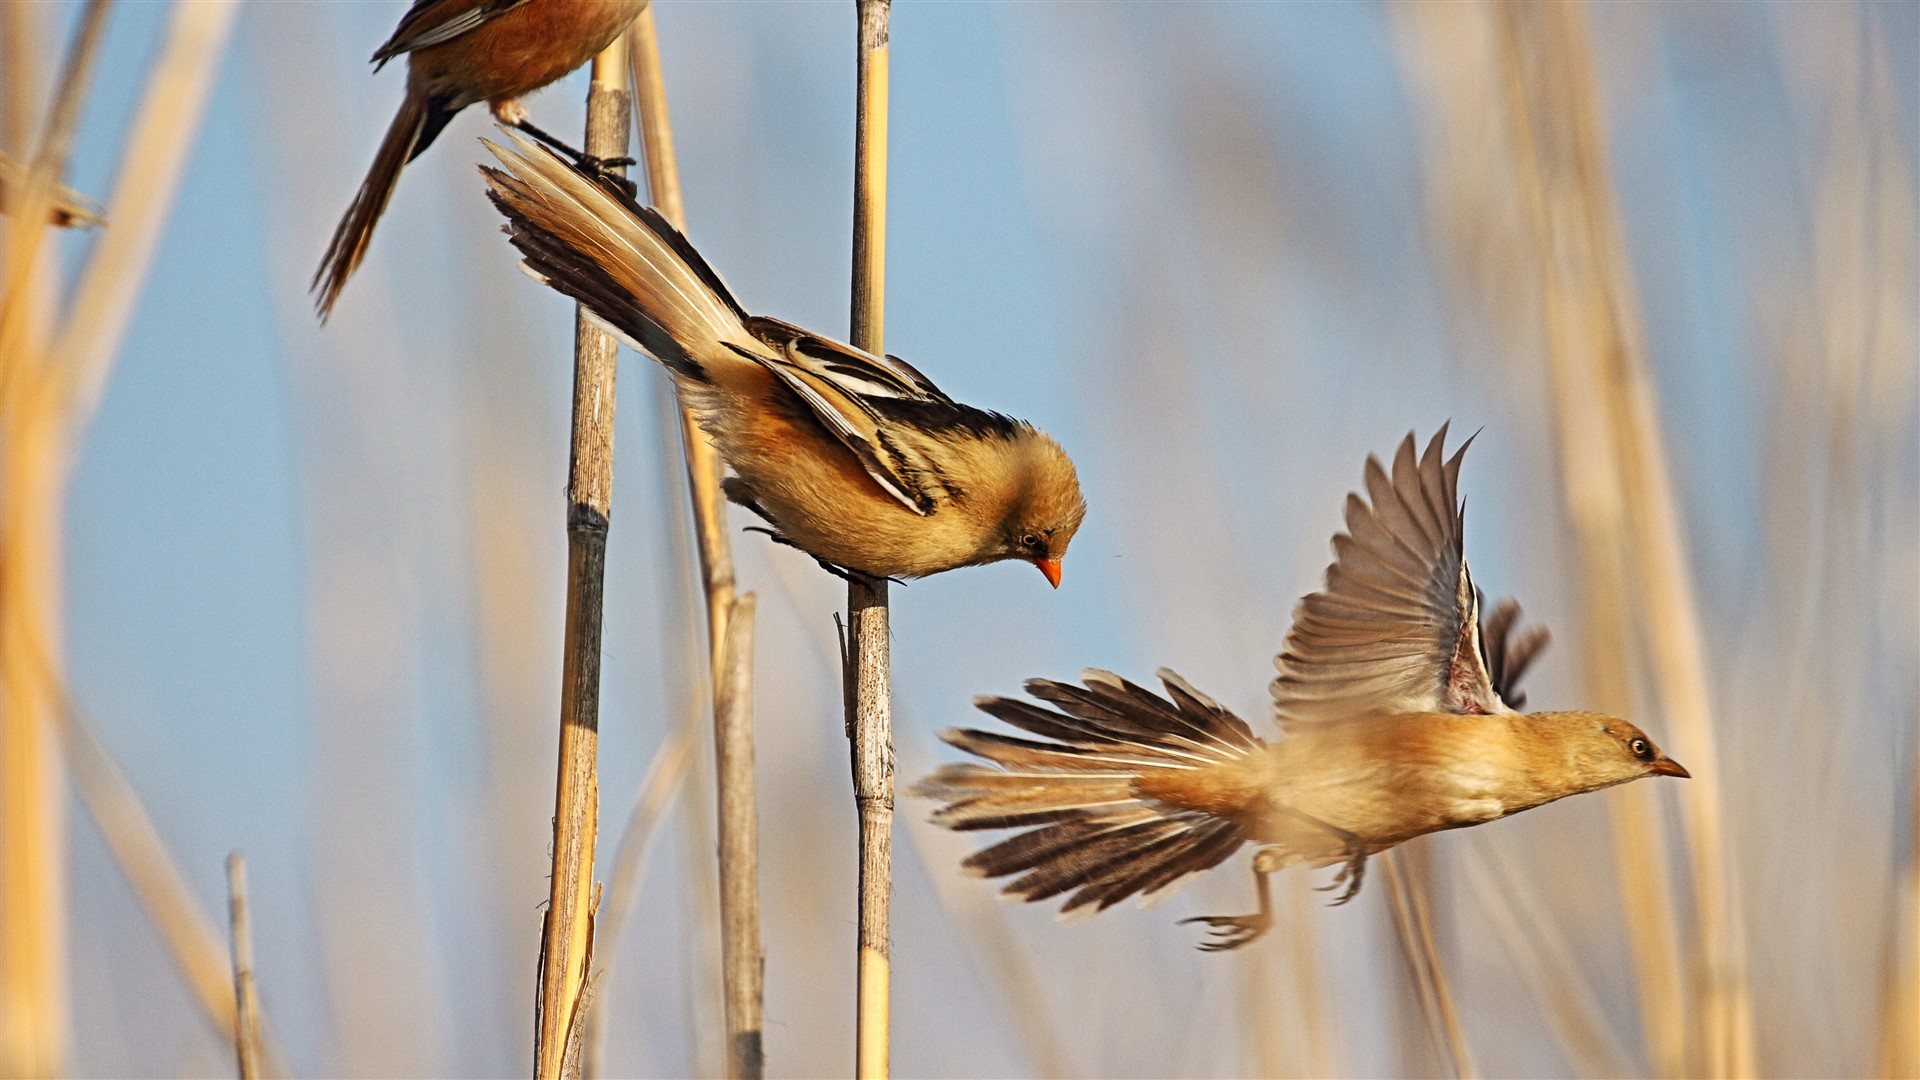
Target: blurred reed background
307	589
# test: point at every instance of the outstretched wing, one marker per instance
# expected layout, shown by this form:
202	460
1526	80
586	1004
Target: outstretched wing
1397	629
430	22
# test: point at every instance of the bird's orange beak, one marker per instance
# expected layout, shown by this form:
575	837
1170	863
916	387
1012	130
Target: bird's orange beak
1666	766
1051	568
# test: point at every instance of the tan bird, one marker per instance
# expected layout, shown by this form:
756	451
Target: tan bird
460	53
1397	705
858	460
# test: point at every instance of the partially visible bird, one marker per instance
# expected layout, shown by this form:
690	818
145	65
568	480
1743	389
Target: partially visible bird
858	460
460	52
1395	699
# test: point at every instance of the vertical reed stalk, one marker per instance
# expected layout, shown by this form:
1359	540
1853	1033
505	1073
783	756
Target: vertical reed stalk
1610	431
1406	897
33	1022
246	1004
47	392
741	961
150	870
868	693
729	631
566	945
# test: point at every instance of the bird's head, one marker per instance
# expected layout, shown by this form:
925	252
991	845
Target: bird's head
1593	751
1043	507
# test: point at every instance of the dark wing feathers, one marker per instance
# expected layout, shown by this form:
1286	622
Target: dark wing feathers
1508	656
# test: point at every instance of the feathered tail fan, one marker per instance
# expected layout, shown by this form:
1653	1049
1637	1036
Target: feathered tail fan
632	269
1095	836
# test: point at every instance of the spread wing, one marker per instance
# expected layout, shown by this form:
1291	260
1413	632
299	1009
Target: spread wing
430	22
1397	628
848	391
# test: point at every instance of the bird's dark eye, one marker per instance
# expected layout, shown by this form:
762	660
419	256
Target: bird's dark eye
1642	749
1030	540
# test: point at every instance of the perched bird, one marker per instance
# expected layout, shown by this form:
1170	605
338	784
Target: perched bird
460	52
1395	699
856	459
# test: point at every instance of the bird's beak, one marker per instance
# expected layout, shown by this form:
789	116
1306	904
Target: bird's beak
1051	568
1666	766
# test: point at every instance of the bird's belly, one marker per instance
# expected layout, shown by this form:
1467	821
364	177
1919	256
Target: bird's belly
819	498
1381	805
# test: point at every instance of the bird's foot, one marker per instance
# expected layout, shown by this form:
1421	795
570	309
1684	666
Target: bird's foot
1231	931
1350	875
601	169
598	168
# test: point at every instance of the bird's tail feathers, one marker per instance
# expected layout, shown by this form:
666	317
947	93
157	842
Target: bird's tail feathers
420	119
635	272
1089	831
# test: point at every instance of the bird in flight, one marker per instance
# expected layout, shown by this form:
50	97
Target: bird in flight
1396	702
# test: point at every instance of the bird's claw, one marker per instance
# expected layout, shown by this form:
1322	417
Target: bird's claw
1231	931
601	170
1350	875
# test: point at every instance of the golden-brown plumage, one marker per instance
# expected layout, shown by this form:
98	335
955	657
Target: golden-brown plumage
1394	696
858	460
459	53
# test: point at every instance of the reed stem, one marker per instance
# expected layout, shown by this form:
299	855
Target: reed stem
868	693
729	631
566	947
246	1004
1623	507
1407	898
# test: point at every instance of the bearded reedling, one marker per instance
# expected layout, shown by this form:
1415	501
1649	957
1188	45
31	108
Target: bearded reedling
1396	700
858	460
460	53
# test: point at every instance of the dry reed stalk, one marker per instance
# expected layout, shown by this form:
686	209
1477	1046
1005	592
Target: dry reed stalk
1595	343
46	394
742	962
730	648
566	945
1406	898
148	177
1525	927
246	1028
868	695
33	1021
730	652
143	859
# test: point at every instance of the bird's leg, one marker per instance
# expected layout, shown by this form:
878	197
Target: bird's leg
598	168
841	572
1355	866
1233	931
